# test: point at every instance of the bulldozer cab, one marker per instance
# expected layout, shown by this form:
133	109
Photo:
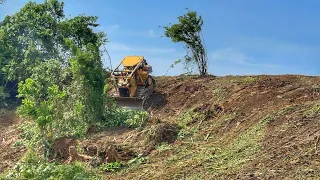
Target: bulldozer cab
132	67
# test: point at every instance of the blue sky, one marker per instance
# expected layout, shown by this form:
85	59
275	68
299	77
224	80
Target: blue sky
244	37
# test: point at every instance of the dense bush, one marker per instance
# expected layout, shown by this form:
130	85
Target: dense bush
61	82
58	64
35	168
116	116
59	69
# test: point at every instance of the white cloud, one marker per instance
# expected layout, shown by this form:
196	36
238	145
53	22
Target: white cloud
229	54
151	33
235	56
144	33
109	29
264	55
113	27
275	46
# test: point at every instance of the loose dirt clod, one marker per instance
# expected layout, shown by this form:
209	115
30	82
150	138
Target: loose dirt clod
67	150
209	110
61	148
75	156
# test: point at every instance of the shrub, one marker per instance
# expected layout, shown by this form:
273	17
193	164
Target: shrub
117	116
32	167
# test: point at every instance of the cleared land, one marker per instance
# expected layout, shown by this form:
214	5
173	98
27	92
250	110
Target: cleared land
245	127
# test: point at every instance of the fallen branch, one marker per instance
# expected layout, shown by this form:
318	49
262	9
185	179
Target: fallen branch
316	145
130	136
207	136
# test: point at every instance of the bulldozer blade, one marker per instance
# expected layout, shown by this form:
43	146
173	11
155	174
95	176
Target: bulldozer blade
130	103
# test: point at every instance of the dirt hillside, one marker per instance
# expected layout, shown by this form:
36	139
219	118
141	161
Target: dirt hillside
234	127
247	127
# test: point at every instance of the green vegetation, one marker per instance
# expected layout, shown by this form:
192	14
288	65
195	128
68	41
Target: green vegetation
219	95
216	157
110	167
312	111
286	110
186	119
242	149
125	117
188	31
33	167
57	64
3	93
163	147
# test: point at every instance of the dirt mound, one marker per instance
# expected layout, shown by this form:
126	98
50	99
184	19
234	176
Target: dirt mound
157	134
106	152
67	150
61	148
113	144
121	144
8	118
155	101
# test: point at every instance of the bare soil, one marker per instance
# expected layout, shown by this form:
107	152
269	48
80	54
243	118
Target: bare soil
10	152
289	146
233	127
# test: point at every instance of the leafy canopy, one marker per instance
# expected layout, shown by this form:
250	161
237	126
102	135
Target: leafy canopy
38	33
58	64
188	31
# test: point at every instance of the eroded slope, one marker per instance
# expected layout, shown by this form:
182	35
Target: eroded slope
237	127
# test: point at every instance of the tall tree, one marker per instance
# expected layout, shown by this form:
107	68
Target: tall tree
188	31
30	36
58	64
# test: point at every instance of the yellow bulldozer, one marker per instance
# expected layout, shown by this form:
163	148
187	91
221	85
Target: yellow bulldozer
132	82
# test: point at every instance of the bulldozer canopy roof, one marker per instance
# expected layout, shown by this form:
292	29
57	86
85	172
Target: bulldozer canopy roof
132	60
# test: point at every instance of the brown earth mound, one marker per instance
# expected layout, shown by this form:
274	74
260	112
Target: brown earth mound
113	145
67	150
157	134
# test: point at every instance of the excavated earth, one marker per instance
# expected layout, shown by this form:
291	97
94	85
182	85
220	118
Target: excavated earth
10	149
233	127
